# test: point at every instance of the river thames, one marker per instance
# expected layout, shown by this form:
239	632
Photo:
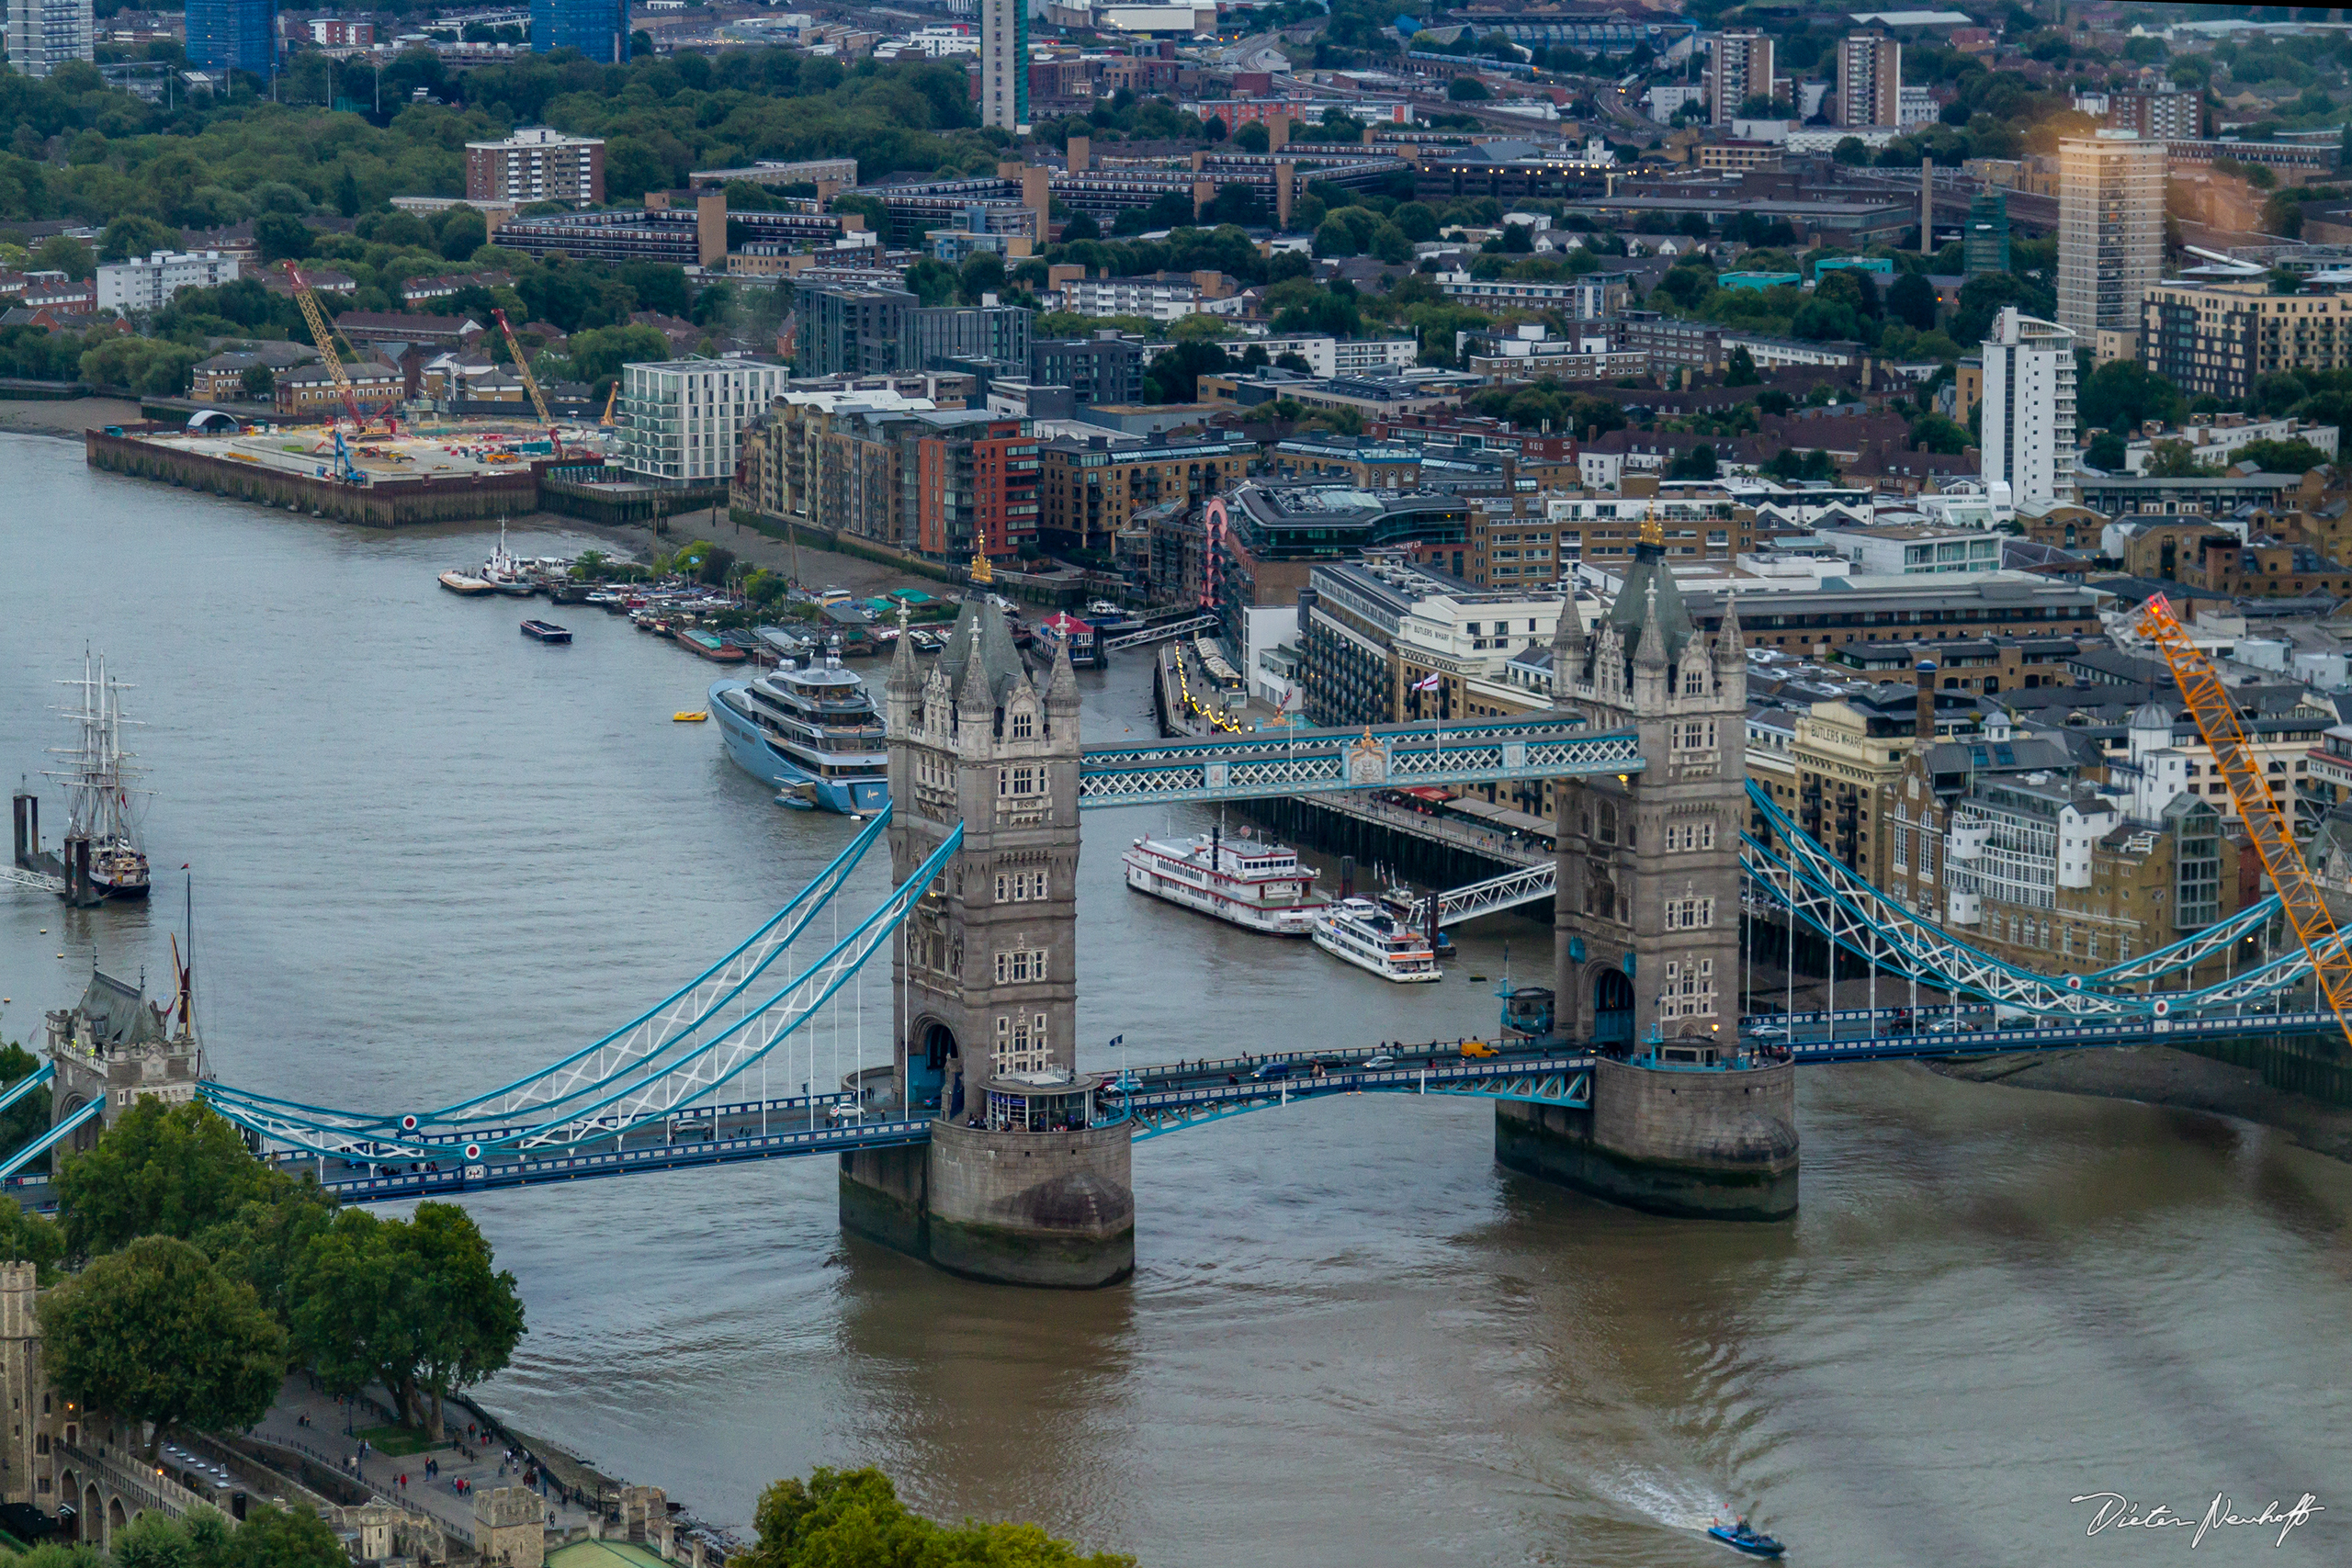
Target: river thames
430	854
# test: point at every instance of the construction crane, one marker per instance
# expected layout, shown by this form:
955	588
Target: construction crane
530	382
323	335
609	398
2272	835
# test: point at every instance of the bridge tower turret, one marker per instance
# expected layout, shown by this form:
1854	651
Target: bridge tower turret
1016	1184
1647	923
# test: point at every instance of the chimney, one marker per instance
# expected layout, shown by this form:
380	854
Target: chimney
1924	724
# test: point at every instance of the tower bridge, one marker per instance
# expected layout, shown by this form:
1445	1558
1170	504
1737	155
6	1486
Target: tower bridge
982	1147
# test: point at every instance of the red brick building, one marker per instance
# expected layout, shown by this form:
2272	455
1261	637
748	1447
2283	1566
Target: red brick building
977	488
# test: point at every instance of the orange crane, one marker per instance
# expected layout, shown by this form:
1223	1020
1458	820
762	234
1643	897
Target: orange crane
2274	837
323	335
530	383
607	420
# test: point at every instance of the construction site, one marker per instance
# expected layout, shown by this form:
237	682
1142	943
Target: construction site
366	465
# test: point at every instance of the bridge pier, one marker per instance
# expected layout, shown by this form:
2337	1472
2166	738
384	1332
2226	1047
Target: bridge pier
1705	1144
1056	1210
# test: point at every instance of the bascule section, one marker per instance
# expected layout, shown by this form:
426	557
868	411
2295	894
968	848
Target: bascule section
1646	903
1021	1180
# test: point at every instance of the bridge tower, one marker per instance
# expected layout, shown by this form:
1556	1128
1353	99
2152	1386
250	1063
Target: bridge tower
1647	923
1016	1184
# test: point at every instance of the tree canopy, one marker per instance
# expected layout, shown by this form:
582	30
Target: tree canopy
159	1170
155	1333
853	1520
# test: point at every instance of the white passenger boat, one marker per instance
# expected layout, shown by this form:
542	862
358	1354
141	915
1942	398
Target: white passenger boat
1258	885
1371	938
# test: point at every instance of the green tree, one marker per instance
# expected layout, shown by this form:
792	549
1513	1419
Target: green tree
1416	220
62	253
1466	90
258	382
266	1244
154	1333
2295	456
1253	137
2173	460
2121	394
159	1171
1740	370
279	236
1699	463
134	235
1334	239
414	1304
346	192
1911	299
462	232
2106	453
283	1537
855	1519
1851	150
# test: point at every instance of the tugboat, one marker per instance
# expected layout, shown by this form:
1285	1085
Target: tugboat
1744	1539
546	631
97	798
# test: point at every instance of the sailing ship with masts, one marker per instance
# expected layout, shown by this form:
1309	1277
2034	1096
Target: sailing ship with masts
97	785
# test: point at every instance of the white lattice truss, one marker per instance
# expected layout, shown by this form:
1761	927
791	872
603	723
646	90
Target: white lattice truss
671	1024
1528	884
33	881
1264	765
1159	634
651	1095
1852	913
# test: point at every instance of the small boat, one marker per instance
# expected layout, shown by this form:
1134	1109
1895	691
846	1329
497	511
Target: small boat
684	716
1364	934
464	583
1743	1539
546	631
708	645
1407	906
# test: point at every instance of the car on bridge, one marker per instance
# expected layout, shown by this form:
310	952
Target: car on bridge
1476	1048
1267	1071
1768	1031
1376	1060
1125	1083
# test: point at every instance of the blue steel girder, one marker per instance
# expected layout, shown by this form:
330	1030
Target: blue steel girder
1270	764
1562	1080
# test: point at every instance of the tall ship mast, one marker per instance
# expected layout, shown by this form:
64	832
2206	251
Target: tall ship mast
96	783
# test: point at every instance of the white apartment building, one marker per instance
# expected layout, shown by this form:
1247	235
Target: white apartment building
1914	549
45	34
1144	297
682	419
125	287
1004	65
1739	69
537	164
2111	230
2211	444
1335	357
2028	423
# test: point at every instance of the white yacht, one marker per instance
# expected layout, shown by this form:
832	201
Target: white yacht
1369	937
1241	881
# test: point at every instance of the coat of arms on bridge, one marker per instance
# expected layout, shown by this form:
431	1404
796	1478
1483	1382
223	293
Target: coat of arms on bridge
1367	762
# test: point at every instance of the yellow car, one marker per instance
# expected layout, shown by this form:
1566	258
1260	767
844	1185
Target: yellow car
1478	1048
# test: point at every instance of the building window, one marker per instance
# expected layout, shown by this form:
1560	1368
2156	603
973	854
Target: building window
1020	886
1020	965
1688	914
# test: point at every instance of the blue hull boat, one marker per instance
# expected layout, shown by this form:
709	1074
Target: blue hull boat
1750	1542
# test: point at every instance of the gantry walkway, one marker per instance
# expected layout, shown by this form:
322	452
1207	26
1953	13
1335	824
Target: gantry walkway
1270	763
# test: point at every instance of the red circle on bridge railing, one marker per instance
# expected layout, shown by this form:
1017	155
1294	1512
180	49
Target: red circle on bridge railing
408	1123
2074	981
473	1151
2164	1010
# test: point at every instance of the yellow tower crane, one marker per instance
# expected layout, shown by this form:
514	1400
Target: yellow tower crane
323	335
2274	835
530	382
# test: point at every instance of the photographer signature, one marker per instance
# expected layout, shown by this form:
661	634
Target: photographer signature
2115	1511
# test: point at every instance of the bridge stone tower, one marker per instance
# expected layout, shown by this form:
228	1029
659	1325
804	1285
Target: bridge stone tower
1647	921
1015	1184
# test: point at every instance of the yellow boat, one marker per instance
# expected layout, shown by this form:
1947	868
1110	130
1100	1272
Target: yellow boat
696	717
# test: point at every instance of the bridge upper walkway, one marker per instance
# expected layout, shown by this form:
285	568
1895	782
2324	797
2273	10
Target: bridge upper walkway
1271	763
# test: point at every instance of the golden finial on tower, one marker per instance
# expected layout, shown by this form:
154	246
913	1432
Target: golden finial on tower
982	573
1653	531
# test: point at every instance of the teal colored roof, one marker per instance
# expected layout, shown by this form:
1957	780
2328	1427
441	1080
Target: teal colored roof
603	1554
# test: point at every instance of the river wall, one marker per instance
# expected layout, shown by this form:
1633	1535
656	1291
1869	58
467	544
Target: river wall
386	504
